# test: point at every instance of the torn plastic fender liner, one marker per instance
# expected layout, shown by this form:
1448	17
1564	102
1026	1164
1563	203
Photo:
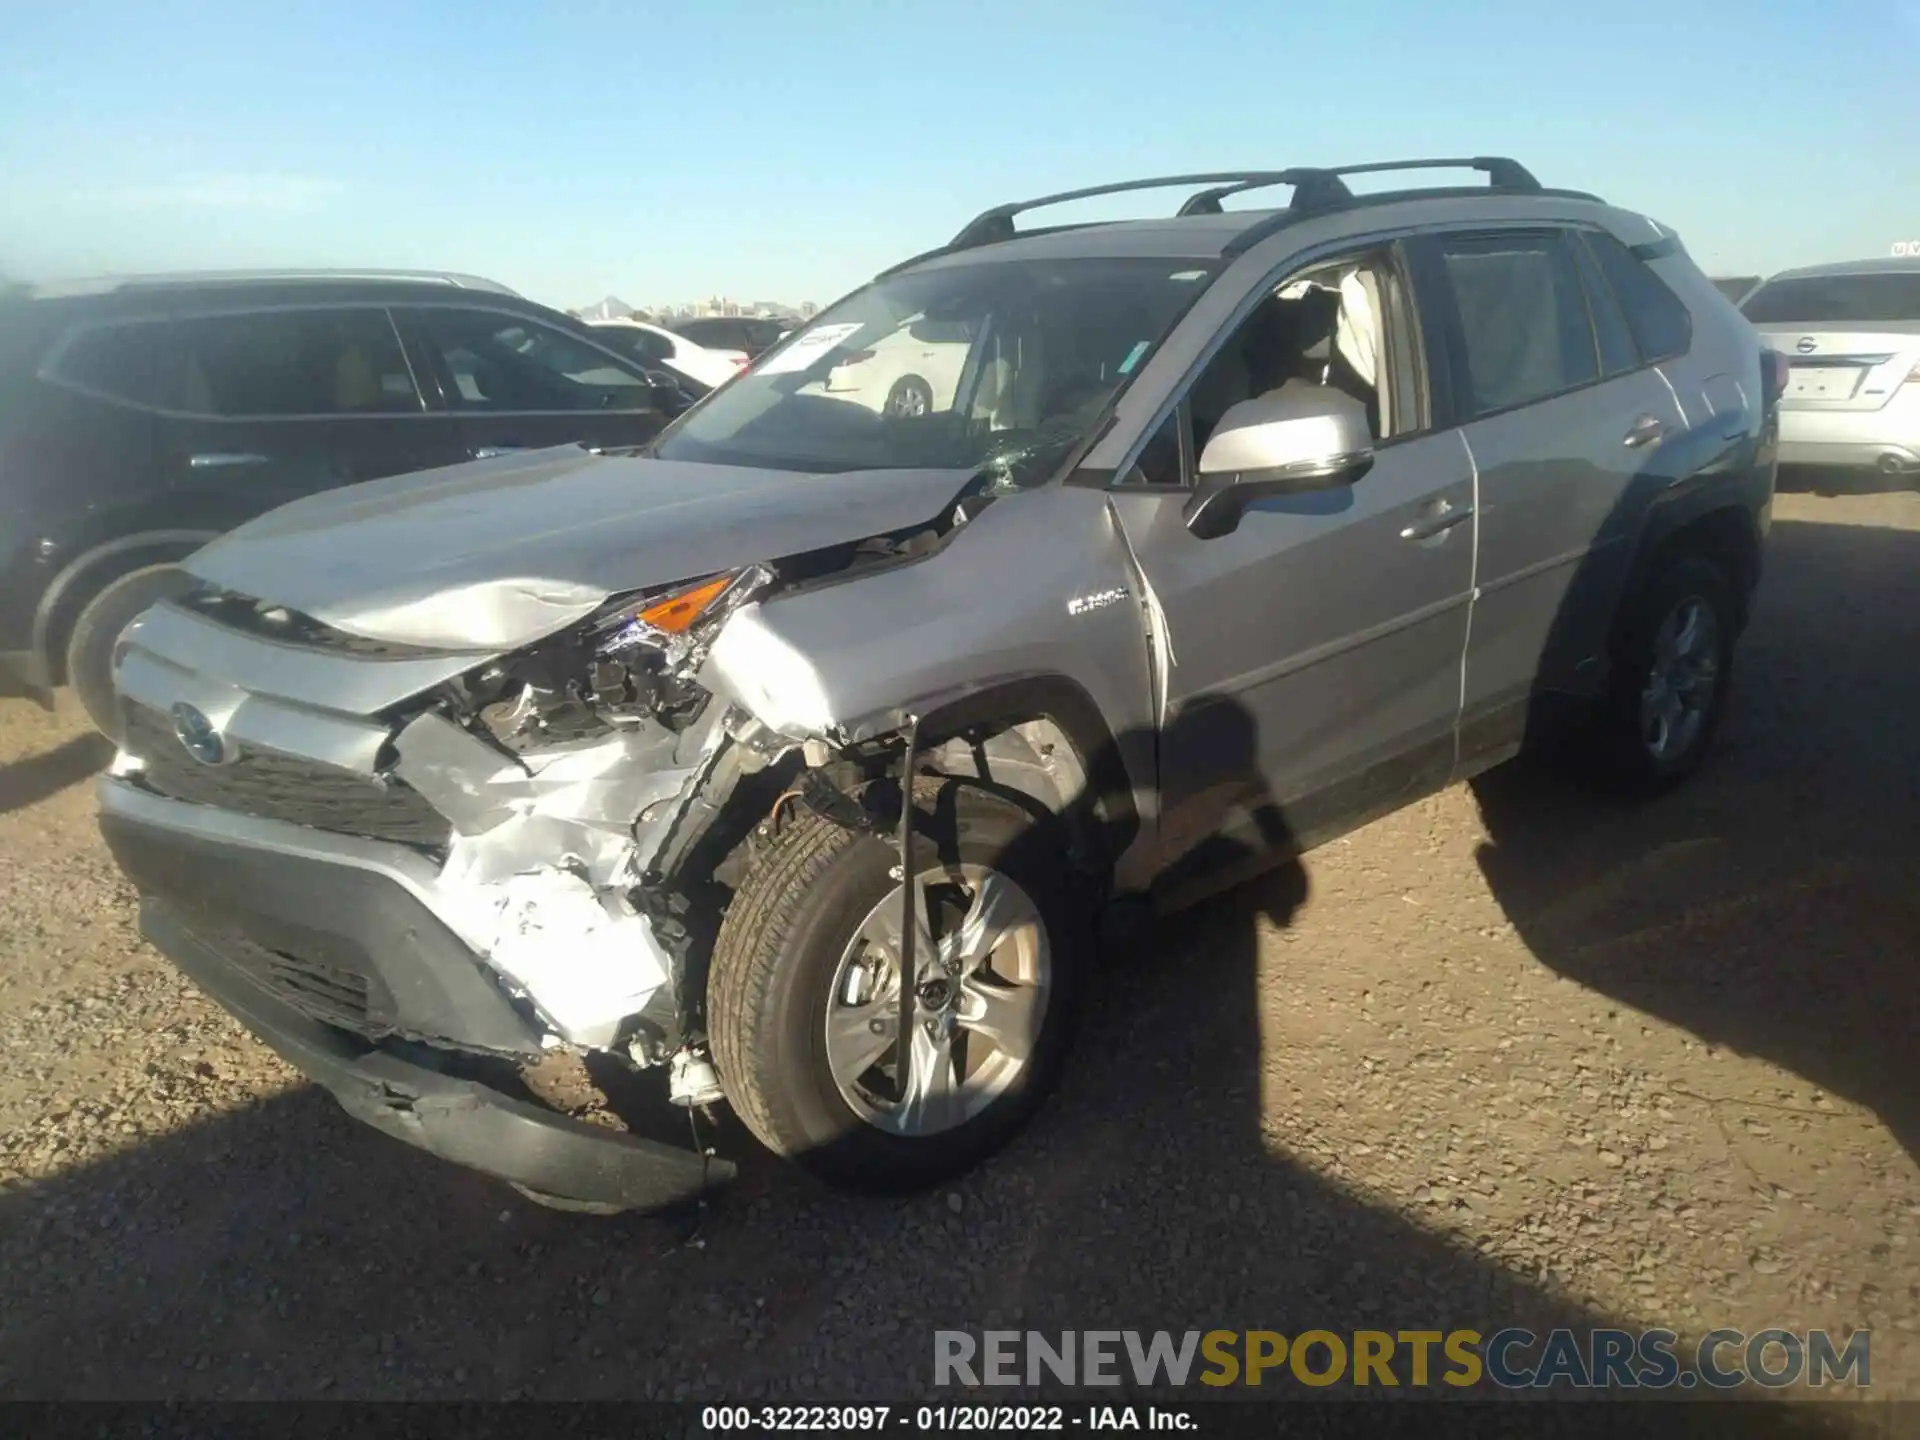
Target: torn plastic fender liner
481	1129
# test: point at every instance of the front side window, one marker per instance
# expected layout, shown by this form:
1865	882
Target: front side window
994	366
497	362
1865	299
1338	325
1522	328
285	362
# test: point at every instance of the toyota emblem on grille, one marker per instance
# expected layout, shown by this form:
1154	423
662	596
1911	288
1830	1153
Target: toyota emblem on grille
198	735
1807	345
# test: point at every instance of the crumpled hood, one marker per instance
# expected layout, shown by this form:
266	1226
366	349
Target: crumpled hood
495	554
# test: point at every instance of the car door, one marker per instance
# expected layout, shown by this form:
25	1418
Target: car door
266	405
1310	673
518	383
1568	429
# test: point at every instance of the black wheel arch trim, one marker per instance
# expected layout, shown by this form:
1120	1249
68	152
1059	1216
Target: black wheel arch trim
1696	509
1064	702
63	585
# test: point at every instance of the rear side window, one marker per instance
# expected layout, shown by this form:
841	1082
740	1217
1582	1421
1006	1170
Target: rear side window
1618	351
1824	299
1659	321
1522	332
115	360
499	362
286	362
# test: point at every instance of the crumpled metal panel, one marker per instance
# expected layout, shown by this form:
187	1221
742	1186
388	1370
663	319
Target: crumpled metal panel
585	956
544	850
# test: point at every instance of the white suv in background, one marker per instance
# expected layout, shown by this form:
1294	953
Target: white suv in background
1851	335
709	368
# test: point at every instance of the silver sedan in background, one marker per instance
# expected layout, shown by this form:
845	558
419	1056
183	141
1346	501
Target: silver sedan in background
1851	334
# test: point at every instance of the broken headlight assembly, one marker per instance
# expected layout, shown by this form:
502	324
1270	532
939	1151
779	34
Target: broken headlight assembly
635	658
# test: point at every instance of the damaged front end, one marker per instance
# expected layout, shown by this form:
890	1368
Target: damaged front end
465	891
573	773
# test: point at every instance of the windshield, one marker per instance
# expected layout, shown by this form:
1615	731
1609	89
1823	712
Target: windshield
1002	366
1823	299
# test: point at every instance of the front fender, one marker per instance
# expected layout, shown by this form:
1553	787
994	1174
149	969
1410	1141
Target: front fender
995	625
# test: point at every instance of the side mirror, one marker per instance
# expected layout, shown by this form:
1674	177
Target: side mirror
1306	439
665	390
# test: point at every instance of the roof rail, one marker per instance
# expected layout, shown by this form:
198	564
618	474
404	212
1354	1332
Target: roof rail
107	284
1316	189
996	224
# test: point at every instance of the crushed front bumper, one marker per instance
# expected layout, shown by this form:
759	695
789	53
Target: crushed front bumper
319	945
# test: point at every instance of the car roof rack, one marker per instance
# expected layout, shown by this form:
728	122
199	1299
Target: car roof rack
1317	190
108	284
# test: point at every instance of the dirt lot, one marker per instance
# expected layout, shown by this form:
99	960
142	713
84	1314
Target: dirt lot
1508	1056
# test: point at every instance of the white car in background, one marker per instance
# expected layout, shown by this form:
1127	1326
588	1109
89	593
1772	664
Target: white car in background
912	371
649	343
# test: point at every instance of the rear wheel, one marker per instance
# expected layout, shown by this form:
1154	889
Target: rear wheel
804	997
1671	675
99	625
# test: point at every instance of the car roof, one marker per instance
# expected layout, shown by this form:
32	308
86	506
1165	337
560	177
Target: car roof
1213	238
187	296
158	295
187	279
1891	265
1203	229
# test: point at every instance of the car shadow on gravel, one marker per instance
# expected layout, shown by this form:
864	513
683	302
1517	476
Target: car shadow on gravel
1772	904
40	777
1829	480
283	1251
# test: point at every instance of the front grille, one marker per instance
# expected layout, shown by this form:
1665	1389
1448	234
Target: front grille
343	998
272	786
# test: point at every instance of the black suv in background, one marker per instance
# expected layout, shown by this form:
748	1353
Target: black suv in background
747	333
141	417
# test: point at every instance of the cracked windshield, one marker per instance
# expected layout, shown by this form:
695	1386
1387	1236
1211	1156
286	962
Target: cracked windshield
1002	367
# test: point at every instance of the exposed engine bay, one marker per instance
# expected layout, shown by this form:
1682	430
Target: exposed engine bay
594	787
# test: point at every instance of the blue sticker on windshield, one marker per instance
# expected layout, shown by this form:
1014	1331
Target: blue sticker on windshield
1133	357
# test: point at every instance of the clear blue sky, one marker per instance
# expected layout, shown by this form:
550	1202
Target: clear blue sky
783	149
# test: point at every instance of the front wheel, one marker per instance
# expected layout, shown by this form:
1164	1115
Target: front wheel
804	996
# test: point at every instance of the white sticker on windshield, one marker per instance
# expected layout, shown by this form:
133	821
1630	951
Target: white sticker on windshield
804	350
1188	275
1133	357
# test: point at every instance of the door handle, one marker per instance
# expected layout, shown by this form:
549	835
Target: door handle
220	459
1645	430
1437	522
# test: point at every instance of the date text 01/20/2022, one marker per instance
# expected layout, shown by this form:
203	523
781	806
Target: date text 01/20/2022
936	1418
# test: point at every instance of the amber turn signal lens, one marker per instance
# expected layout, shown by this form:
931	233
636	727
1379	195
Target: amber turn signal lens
680	609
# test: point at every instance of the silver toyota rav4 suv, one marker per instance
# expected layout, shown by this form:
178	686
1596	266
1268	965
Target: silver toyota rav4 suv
482	793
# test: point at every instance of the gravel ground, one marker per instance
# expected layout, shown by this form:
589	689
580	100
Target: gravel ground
1508	1056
